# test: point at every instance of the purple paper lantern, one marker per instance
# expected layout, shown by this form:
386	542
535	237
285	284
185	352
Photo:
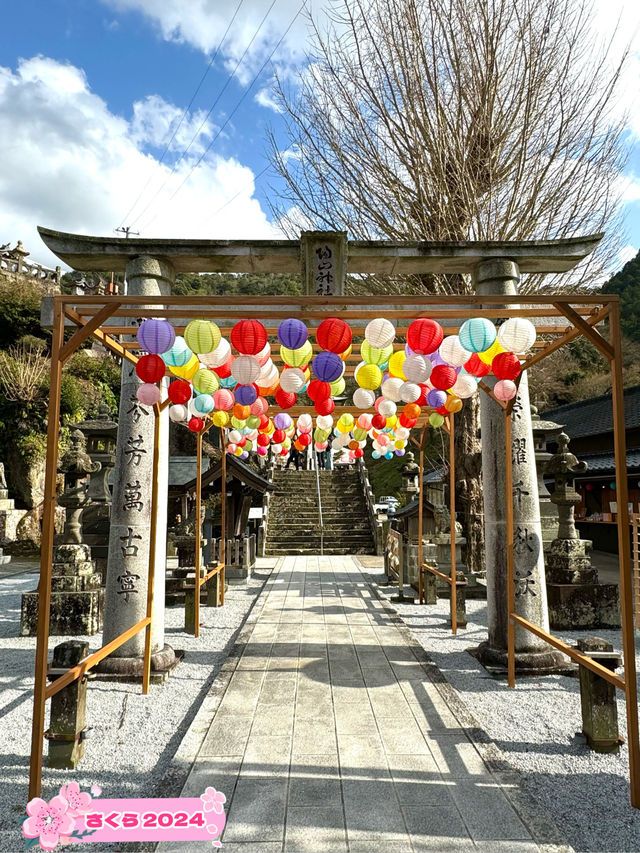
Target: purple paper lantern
246	394
327	366
435	358
436	398
156	336
282	421
292	333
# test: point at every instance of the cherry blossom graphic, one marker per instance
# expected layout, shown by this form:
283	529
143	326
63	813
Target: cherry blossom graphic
79	801
96	790
48	821
213	830
213	800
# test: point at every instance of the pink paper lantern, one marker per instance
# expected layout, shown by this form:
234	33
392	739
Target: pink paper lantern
505	390
148	394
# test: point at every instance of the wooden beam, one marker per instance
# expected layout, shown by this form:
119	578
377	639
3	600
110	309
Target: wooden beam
107	341
489	392
592	334
569	336
86	330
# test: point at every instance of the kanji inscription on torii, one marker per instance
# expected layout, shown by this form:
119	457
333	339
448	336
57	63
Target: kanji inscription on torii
324	260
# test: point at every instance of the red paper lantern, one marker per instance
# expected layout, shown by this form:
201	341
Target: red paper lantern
424	336
285	399
422	399
264	422
334	335
358	453
283	452
279	436
249	337
506	365
318	391
476	367
150	368
305	439
443	377
179	392
378	421
325	407
407	423
263	440
196	424
224	371
442	410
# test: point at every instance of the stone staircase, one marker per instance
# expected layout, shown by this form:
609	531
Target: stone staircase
293	526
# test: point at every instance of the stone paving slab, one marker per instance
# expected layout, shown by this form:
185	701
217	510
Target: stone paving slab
333	735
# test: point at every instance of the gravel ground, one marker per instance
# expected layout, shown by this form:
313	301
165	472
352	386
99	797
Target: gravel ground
132	737
537	726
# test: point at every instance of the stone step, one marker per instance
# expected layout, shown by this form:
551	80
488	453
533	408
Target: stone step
315	550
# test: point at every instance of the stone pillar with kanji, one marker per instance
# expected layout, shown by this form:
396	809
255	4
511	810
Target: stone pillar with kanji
532	653
128	560
323	255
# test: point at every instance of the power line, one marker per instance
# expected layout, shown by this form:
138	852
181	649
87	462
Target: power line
183	116
204	121
240	191
233	112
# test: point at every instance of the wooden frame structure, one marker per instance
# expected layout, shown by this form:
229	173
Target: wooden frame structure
578	315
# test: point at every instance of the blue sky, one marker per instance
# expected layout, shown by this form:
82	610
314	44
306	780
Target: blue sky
89	90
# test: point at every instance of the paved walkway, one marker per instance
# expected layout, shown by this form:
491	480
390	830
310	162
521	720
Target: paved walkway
330	735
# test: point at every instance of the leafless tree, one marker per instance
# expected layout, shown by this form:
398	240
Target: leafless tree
23	372
455	120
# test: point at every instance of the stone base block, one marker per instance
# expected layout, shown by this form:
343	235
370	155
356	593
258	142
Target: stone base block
234	573
80	583
72	613
527	663
161	661
578	606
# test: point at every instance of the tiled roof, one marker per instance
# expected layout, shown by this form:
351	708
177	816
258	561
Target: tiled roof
604	463
595	416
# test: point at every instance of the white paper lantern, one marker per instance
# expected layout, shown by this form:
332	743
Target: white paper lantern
402	433
264	354
387	408
341	439
305	421
452	351
517	334
245	369
409	392
234	436
178	413
324	421
292	380
417	368
505	389
219	356
465	386
380	332
391	389
276	448
363	398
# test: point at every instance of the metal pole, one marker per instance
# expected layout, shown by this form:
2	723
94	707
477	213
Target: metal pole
624	551
511	601
146	671
452	513
46	553
196	627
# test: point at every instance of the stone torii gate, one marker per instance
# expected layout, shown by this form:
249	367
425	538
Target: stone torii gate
323	258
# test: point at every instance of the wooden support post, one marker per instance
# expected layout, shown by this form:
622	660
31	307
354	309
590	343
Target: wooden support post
624	551
46	553
223	513
511	600
146	669
420	501
196	630
452	512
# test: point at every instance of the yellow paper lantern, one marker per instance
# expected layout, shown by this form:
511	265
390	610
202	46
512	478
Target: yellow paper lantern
489	354
373	355
453	403
369	376
297	357
220	419
189	370
395	364
205	381
337	387
345	355
392	421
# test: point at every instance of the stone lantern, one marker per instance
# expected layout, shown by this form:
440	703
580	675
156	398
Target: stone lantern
411	477
544	430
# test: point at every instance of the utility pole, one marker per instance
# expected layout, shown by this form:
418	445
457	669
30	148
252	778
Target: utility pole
126	230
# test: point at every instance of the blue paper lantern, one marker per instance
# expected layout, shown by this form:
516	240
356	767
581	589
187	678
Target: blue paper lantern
156	336
229	382
179	354
246	394
477	334
203	404
436	398
292	333
375	454
327	366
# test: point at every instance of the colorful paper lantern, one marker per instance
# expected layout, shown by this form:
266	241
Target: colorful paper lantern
203	404
387	408
285	400
409	392
305	439
391	388
223	399
318	391
453	404
178	413
205	381
369	376
380	332
150	368
465	386
246	395
324	407
424	336
248	336
240	411
477	334
396	363
297	357
337	387
436	398
179	354
148	394
202	336
417	368
196	424
220	419
411	410
333	335
219	356
373	355
179	391
476	367
488	355
156	336
517	334
188	370
506	366
452	351
443	376
292	380
436	420
245	369
292	333
363	398
505	389
327	366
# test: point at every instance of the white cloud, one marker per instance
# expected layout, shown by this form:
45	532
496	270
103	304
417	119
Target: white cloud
156	122
71	164
626	253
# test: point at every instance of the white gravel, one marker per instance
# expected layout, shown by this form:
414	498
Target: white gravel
133	737
535	726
